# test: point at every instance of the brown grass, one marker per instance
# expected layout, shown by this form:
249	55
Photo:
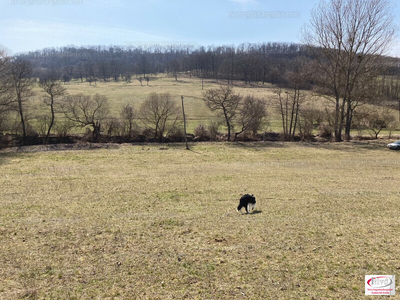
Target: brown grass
145	222
196	111
120	93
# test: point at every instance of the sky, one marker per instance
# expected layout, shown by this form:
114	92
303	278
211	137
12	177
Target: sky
29	25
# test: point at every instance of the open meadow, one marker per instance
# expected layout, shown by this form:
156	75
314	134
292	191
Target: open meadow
120	93
159	222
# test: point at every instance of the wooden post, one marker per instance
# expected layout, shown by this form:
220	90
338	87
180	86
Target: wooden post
184	124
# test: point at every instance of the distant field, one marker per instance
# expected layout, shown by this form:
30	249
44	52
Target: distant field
120	93
159	222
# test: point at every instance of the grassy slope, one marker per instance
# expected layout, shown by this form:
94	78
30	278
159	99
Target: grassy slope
120	93
140	222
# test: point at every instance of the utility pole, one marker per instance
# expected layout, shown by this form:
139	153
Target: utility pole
184	124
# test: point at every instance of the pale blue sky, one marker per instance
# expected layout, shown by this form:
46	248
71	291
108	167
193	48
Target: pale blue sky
27	25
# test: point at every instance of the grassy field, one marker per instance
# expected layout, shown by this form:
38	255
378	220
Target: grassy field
119	93
159	222
196	111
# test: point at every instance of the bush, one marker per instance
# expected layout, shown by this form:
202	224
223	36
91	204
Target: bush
201	133
271	136
114	127
149	134
5	123
213	130
176	135
325	131
245	136
63	128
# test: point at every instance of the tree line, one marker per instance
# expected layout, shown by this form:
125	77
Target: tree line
343	58
249	62
159	118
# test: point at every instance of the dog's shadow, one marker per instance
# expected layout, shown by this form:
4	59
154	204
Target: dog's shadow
254	212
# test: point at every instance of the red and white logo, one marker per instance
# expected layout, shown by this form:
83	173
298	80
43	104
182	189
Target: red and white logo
379	284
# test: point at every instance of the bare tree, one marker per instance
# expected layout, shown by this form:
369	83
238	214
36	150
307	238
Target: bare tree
174	69
251	114
160	114
68	70
22	85
290	103
184	124
226	100
374	119
114	127
66	78
52	87
103	69
128	116
89	68
348	39
288	106
86	111
143	65
307	118
80	70
6	99
115	66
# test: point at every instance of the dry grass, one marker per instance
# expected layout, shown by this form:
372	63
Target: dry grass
159	222
120	93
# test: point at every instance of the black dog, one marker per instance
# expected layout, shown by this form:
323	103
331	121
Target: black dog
248	202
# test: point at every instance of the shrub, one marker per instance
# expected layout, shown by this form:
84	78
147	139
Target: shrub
213	130
325	131
114	127
149	133
63	128
201	132
176	135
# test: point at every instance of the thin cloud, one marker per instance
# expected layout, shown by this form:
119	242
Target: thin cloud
16	34
243	1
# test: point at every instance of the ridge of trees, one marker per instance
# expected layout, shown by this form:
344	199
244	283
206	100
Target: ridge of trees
262	62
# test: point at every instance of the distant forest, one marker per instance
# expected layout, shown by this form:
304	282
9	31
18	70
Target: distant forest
250	63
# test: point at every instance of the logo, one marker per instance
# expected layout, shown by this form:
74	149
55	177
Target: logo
379	284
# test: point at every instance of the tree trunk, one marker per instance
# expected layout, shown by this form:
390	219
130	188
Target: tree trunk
96	132
52	118
348	121
227	124
184	124
297	113
291	134
21	114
